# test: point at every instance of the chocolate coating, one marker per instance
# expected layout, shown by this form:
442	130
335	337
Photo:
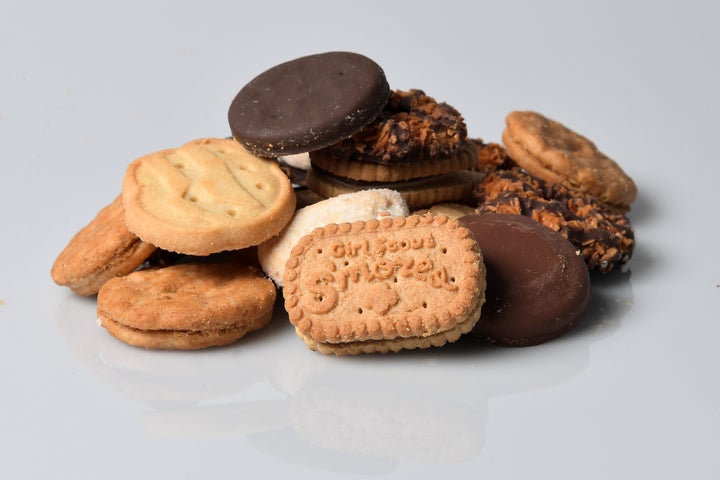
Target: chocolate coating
537	286
308	103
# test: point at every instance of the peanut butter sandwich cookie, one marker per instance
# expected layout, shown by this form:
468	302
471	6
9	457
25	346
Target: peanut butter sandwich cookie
186	306
308	103
415	145
207	196
556	154
103	249
384	285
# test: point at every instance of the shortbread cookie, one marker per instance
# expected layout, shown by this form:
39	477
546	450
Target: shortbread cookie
103	249
538	287
454	187
384	285
308	103
603	236
207	196
350	207
556	154
186	306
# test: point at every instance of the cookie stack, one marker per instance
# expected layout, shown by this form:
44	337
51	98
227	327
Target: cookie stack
202	200
359	272
416	146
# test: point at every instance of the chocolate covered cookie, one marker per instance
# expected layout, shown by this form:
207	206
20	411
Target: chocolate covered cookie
537	286
308	103
602	235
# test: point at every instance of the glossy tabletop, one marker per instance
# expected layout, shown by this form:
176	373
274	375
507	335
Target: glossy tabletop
632	392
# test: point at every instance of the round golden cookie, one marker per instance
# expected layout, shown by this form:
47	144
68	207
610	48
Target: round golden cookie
186	306
556	154
103	249
208	196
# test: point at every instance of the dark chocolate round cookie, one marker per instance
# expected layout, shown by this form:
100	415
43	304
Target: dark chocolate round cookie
308	103
537	286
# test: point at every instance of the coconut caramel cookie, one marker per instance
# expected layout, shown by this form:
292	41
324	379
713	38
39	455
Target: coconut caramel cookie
556	154
384	285
412	127
103	249
186	306
414	139
207	196
603	236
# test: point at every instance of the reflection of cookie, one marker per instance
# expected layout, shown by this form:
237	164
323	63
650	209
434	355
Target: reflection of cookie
537	286
308	103
362	205
207	196
603	237
100	251
556	154
380	286
186	306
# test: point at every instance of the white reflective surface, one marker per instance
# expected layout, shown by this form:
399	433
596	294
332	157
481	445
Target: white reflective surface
631	393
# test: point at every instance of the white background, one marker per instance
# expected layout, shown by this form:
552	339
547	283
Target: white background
633	392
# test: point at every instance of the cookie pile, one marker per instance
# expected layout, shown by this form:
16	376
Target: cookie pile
400	232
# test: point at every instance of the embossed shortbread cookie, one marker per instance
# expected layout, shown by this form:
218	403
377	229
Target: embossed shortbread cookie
103	249
556	154
207	196
186	306
350	207
384	285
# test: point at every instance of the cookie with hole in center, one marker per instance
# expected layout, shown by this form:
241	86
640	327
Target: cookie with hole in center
205	197
384	285
186	306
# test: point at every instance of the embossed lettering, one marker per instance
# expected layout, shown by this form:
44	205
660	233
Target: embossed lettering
323	297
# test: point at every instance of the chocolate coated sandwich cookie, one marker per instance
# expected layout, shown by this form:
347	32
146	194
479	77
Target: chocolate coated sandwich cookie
308	103
537	286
